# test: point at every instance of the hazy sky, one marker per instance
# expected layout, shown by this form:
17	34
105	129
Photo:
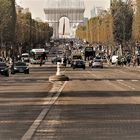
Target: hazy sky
36	6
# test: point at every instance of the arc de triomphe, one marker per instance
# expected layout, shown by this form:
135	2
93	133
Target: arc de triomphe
56	9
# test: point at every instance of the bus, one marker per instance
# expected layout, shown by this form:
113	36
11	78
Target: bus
89	53
36	55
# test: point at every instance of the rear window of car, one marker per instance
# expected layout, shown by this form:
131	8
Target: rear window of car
81	62
2	64
77	57
20	64
97	60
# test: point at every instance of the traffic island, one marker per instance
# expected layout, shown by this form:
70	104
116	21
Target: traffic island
58	76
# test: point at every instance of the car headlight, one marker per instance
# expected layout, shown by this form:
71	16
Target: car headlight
15	68
74	63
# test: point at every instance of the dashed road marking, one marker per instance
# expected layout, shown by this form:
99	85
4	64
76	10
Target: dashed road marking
134	80
119	80
130	87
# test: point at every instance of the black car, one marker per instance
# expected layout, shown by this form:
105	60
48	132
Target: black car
19	67
4	70
56	59
78	64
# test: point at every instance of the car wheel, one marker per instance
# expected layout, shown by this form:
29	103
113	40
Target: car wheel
28	72
12	72
7	74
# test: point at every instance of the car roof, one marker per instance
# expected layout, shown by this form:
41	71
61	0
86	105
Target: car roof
2	62
20	62
97	60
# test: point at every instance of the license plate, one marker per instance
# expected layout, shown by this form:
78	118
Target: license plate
21	70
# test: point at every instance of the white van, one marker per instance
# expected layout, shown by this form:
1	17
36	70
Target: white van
114	59
25	57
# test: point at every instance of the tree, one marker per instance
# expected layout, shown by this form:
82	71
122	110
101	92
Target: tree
136	21
7	20
31	32
81	32
122	14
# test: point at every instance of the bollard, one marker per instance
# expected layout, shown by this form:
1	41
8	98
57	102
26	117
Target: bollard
58	76
58	69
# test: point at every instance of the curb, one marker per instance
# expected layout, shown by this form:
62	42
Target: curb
58	78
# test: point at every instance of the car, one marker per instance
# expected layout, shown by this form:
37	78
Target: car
19	67
56	59
114	59
78	64
97	63
4	69
25	57
104	58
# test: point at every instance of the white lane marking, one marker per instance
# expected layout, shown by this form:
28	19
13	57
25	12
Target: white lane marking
89	72
28	135
119	80
130	87
134	80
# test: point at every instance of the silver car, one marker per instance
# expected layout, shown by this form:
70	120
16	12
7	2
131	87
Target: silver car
97	63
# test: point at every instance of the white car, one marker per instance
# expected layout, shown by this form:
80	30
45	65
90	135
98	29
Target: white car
114	59
97	63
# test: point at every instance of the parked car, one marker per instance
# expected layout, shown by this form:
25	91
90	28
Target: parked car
19	67
4	69
78	64
97	63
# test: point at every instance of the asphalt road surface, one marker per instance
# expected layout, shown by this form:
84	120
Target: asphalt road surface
99	104
22	98
96	104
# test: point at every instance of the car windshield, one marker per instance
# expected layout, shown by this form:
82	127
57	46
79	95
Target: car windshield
98	57
2	64
81	62
25	55
97	60
77	57
20	64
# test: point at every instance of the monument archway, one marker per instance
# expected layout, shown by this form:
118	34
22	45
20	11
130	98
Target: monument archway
72	9
64	27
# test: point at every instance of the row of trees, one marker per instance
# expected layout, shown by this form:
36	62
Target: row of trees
97	29
136	23
7	20
31	32
114	26
19	29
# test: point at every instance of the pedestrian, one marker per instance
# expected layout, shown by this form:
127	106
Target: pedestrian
134	61
128	59
41	61
65	61
138	60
